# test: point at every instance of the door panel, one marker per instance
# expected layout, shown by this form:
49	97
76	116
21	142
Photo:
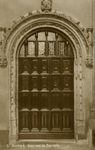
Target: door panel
46	98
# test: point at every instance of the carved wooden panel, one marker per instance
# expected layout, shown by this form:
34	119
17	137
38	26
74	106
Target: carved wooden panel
25	66
24	122
24	101
44	121
55	80
44	66
55	121
55	100
34	100
35	83
44	83
67	101
55	66
44	101
67	66
67	121
34	121
24	82
34	66
67	83
46	96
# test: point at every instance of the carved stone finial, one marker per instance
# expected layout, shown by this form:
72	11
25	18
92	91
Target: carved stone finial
46	5
89	62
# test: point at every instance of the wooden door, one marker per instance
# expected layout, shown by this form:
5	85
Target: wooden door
46	96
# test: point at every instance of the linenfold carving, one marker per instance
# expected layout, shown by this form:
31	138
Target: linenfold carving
46	5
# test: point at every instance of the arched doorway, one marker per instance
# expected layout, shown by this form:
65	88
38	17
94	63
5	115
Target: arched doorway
46	86
71	33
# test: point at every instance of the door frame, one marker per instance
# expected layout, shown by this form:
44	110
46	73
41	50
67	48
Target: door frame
16	36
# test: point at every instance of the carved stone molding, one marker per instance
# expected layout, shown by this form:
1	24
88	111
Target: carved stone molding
3	58
85	34
46	5
90	34
89	61
50	24
2	29
39	14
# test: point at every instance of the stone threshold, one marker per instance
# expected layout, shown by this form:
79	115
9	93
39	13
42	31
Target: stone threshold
52	141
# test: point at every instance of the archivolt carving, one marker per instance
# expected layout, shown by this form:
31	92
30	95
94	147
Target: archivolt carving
55	15
51	24
38	15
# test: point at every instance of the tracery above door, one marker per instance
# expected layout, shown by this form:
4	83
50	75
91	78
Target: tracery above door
46	44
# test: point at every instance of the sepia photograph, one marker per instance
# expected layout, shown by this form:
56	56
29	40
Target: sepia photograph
47	75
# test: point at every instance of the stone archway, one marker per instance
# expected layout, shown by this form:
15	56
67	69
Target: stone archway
19	32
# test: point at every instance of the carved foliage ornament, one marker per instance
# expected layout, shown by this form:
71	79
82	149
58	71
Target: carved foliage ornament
3	58
46	5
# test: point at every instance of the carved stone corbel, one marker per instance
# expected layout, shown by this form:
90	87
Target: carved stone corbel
89	61
3	61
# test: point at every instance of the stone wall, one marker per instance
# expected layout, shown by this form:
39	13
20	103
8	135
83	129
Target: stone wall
79	9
